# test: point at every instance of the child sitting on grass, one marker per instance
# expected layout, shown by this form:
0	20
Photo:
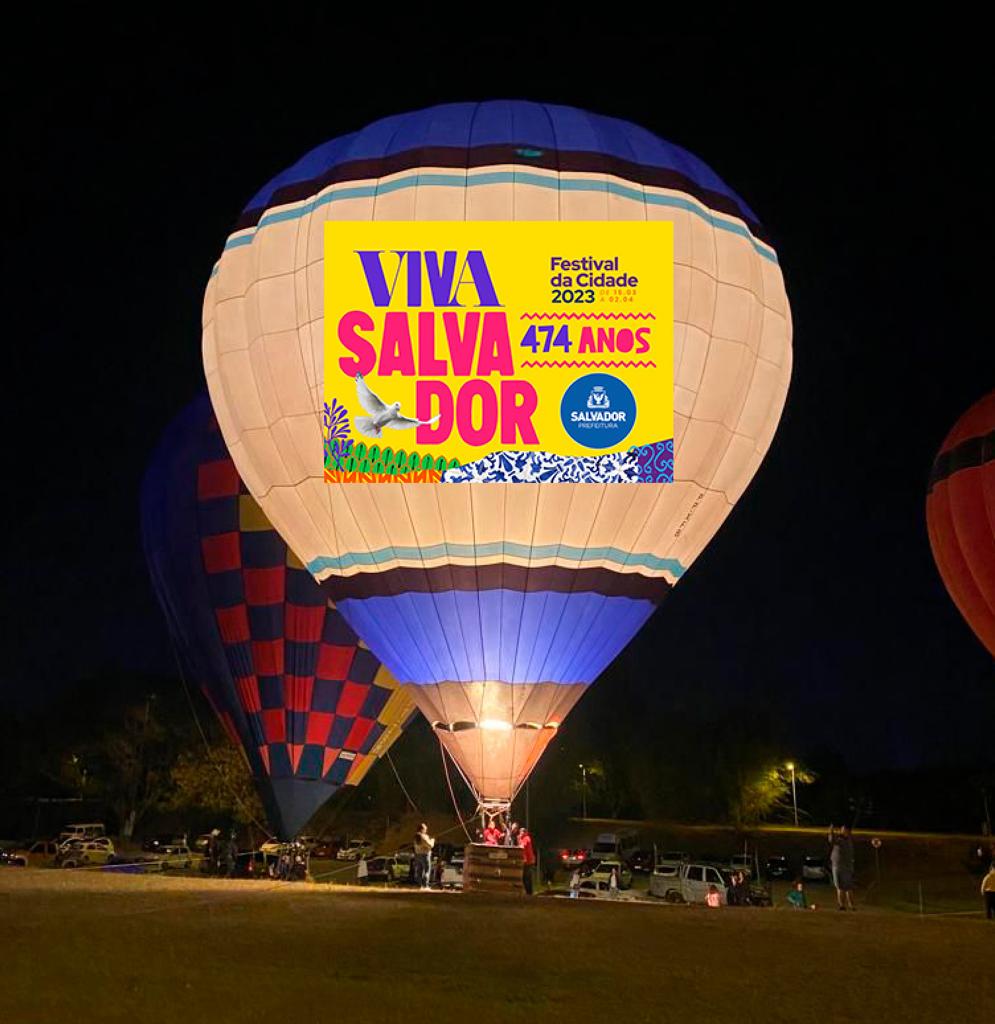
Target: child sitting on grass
797	897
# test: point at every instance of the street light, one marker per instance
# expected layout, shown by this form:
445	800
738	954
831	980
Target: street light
583	790
794	791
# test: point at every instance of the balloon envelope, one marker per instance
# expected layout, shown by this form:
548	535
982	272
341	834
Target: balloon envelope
310	705
498	603
960	516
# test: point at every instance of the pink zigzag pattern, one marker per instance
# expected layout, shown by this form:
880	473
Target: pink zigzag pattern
587	316
567	363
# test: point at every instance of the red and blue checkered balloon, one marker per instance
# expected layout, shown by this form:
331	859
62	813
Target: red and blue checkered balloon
309	704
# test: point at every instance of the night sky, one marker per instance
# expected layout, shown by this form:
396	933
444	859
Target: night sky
132	156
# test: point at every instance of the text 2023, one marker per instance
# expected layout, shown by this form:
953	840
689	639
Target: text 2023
573	295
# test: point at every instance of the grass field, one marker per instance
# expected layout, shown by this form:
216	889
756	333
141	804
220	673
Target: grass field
108	948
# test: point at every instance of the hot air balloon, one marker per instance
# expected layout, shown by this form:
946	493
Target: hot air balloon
960	516
496	603
309	704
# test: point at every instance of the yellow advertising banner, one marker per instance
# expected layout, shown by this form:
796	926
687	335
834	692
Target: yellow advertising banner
498	351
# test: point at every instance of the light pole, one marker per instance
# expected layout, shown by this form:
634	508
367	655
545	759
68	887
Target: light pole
583	791
794	791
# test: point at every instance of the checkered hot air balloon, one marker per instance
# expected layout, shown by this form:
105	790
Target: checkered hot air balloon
497	603
311	706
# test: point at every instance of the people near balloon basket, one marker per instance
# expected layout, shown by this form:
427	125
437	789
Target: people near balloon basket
423	856
713	898
362	871
797	899
988	892
492	834
529	856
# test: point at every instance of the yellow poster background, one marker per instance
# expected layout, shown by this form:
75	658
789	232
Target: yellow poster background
518	256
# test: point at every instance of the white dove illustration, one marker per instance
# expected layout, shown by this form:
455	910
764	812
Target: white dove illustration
381	414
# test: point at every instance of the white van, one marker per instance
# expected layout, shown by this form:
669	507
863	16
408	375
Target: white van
82	833
691	885
615	845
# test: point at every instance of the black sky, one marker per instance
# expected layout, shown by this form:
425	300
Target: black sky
135	147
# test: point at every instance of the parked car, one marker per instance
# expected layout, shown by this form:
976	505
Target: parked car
452	871
618	845
380	869
742	862
691	884
202	842
573	858
34	855
815	869
153	844
88	830
600	889
79	853
403	866
778	867
354	849
602	871
178	855
669	863
641	861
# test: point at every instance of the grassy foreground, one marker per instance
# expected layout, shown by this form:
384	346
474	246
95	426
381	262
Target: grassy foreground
95	946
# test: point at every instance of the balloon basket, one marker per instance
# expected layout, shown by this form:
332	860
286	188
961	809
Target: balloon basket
498	869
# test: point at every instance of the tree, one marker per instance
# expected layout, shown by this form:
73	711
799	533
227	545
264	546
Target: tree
216	779
765	791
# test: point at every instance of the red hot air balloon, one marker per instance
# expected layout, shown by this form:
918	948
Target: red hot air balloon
960	516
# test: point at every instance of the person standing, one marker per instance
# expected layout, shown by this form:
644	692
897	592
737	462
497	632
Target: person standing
423	856
362	871
529	856
214	853
574	884
613	884
841	861
988	892
231	856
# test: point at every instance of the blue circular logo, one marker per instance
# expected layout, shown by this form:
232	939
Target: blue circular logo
598	411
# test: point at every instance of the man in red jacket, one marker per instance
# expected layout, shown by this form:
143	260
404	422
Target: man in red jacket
525	842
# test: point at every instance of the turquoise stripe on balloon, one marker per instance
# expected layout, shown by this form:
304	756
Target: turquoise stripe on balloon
624	559
425	180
